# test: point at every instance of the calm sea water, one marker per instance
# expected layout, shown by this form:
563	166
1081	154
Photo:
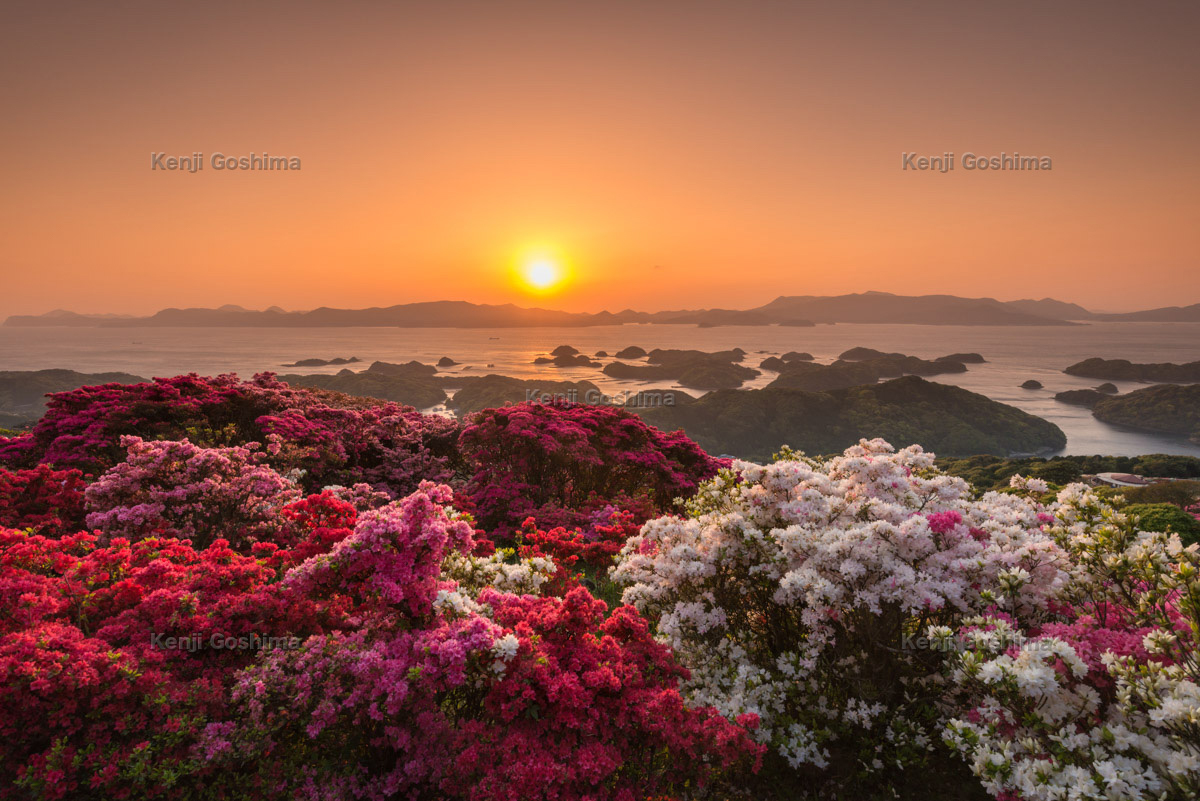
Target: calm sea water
1014	354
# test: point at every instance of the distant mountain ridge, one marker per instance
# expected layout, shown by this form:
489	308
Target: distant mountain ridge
1168	314
882	307
865	307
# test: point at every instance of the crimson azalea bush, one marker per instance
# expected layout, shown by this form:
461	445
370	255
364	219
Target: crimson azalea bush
561	462
47	500
581	557
92	702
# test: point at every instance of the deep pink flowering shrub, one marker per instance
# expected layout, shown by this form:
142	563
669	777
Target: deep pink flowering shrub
180	489
349	716
394	555
388	447
589	707
333	438
83	428
561	462
49	501
503	697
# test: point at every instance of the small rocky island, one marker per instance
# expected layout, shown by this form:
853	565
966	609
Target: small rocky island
855	367
324	362
1080	397
1125	370
695	369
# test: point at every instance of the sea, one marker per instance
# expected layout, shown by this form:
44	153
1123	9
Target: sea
1014	354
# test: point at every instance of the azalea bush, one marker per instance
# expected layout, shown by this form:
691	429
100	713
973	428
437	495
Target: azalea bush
180	489
93	704
791	591
561	463
878	617
579	556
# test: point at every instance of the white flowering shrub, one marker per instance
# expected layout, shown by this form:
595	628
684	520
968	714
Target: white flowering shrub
824	597
1100	699
502	570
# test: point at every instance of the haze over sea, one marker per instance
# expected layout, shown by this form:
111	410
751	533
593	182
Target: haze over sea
1014	354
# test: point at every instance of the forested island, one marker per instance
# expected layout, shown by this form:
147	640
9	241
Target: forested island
754	424
1125	370
1172	409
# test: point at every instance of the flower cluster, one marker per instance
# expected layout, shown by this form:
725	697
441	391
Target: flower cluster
595	545
394	557
93	704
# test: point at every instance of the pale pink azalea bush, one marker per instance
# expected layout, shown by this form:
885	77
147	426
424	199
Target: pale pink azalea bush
187	491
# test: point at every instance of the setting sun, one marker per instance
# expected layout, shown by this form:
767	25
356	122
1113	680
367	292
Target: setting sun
541	273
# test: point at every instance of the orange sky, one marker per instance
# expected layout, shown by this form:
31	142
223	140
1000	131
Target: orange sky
676	154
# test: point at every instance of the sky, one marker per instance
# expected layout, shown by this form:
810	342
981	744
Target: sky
646	154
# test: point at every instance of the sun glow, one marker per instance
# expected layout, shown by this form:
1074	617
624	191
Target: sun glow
541	273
